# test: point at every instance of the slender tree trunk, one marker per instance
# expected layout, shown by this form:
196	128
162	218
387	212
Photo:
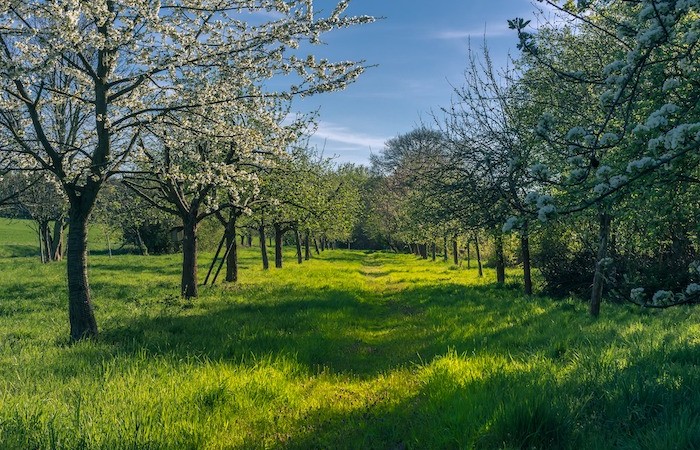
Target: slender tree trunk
525	249
46	236
249	238
599	277
232	246
434	250
142	247
59	245
478	256
455	252
445	256
188	286
348	244
323	243
263	248
316	246
279	235
307	248
500	258
42	246
242	240
297	239
424	251
80	311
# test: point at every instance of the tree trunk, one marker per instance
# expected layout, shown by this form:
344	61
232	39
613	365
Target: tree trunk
249	238
348	244
279	235
232	246
424	251
478	256
80	312
188	286
434	250
263	248
525	249
445	256
57	244
599	277
500	258
297	239
142	247
43	249
316	246
307	248
455	252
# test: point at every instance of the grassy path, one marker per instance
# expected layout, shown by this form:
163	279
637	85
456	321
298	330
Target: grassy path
349	350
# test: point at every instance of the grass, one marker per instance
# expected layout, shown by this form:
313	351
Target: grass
349	350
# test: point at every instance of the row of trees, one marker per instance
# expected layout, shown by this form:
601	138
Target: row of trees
185	101
588	142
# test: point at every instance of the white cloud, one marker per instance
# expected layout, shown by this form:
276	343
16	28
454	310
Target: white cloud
489	30
338	134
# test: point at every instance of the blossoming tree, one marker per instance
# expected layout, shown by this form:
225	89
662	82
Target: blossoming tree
80	79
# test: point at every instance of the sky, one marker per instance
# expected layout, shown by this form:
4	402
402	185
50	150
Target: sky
418	51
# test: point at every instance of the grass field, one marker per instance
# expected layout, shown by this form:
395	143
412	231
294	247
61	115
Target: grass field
349	350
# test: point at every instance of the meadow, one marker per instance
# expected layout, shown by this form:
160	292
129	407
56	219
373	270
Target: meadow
349	350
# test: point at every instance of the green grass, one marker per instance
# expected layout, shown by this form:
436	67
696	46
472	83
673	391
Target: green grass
349	350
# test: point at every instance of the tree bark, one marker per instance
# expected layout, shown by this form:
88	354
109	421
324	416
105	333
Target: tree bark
80	311
424	251
188	285
599	277
307	248
445	256
232	246
316	246
525	249
279	235
455	252
478	256
433	250
263	248
142	247
43	248
57	246
297	239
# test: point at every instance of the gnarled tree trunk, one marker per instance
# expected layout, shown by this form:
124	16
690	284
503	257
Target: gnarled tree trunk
599	277
80	311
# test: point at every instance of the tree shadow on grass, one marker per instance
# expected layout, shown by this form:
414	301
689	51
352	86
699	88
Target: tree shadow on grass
353	333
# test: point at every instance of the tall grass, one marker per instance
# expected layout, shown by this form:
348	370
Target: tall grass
349	350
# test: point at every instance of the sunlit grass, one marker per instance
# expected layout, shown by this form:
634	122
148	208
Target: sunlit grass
349	350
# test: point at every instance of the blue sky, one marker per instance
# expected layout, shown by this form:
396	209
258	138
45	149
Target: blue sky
420	50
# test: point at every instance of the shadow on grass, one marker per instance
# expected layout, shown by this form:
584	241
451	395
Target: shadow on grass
19	250
354	333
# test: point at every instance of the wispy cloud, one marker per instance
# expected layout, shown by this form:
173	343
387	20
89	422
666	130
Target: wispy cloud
489	30
338	134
